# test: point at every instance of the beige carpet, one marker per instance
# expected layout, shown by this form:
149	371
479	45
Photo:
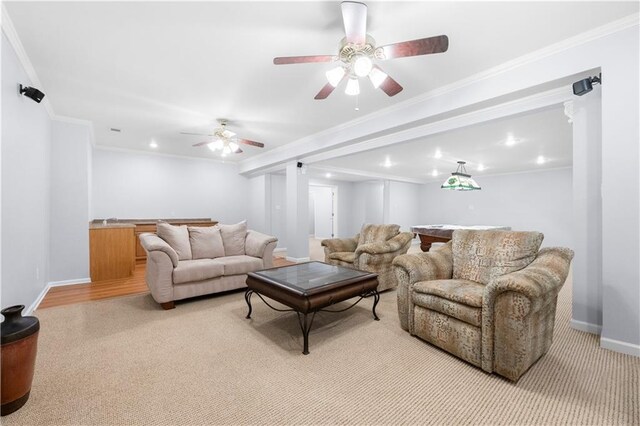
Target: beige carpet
126	361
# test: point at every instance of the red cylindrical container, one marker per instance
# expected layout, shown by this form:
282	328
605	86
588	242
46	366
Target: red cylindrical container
19	347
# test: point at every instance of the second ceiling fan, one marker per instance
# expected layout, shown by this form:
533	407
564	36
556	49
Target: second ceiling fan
358	51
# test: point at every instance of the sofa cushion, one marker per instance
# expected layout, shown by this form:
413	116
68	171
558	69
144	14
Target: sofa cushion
372	233
233	238
177	237
466	313
344	256
189	271
484	255
460	291
235	265
206	242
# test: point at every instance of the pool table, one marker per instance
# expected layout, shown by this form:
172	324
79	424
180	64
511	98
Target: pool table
441	233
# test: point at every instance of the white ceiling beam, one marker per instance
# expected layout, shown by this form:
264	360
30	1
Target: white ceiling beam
530	103
367	174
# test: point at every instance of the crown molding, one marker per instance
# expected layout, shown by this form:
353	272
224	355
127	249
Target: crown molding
161	154
10	31
331	136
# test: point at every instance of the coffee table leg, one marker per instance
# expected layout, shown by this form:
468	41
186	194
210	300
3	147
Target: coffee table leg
247	298
376	299
306	327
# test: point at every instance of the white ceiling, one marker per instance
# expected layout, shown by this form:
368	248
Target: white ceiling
154	69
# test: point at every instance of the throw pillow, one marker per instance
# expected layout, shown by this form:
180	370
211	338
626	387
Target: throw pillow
233	238
206	242
373	233
481	256
177	237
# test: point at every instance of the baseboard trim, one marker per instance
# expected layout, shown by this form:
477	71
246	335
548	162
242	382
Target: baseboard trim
38	300
618	346
279	249
46	288
585	326
298	259
70	282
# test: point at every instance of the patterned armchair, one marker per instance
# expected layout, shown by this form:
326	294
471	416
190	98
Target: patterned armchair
372	250
488	297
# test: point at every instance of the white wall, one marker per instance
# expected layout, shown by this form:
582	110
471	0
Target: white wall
259	214
404	204
70	168
367	204
538	201
278	209
26	150
137	185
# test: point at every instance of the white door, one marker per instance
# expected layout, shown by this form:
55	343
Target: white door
323	212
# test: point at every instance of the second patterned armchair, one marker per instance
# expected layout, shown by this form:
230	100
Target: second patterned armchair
372	250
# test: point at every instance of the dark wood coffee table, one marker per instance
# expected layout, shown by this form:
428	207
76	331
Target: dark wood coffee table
307	288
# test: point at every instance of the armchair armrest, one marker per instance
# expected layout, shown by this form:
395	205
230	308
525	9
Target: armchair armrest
381	247
433	265
256	243
411	268
151	242
545	275
516	303
340	244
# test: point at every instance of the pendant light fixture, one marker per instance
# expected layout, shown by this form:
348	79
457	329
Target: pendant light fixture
460	180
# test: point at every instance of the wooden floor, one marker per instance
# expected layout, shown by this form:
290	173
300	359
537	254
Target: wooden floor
135	284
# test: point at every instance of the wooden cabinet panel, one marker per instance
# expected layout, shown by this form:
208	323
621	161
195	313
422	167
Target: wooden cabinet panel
111	252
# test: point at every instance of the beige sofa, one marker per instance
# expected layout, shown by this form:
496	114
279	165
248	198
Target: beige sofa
184	262
488	297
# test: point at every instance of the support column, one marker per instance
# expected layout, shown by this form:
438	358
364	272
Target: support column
297	214
586	115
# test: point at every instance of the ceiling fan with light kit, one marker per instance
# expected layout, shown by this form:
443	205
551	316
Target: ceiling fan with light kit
358	52
224	140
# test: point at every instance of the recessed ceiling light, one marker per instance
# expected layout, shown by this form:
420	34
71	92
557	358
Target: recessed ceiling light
438	154
434	173
480	167
387	163
541	159
328	175
510	141
153	144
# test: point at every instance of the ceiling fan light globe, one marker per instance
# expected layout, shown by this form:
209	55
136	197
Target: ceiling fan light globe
377	77
233	146
353	87
362	66
226	150
335	75
212	146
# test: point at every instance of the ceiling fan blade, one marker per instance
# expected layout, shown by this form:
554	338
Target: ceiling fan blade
283	60
202	143
354	16
325	91
196	134
249	142
238	151
328	89
423	46
389	85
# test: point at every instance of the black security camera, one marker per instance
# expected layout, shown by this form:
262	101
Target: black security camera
584	86
299	165
32	92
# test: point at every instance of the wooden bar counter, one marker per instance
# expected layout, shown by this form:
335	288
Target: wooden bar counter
111	250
